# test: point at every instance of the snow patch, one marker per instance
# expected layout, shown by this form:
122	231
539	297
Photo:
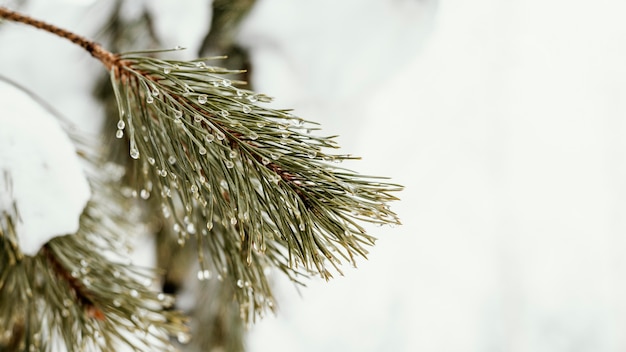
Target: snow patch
40	173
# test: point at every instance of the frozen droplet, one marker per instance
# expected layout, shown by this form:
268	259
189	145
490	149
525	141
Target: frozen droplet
180	241
183	337
246	109
121	124
65	313
275	156
167	70
144	194
252	98
193	189
178	47
224	184
239	93
178	114
134	153
224	113
155	92
245	216
220	135
202	99
163	172
265	160
134	293
202	151
171	160
201	64
151	161
229	164
233	221
149	99
206	274
191	229
240	283
260	124
282	126
253	136
116	274
226	83
312	154
176	227
200	275
302	227
119	134
197	117
232	154
117	302
209	225
209	138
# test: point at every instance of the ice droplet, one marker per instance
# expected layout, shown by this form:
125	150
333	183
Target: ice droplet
302	227
201	64
117	303
224	113
178	114
134	153
240	283
209	138
134	293
229	164
197	117
191	229
246	109
312	154
252	98
149	99
151	161
200	275
119	134
144	194
224	184
176	227
233	221
220	135
202	151
260	124
171	160
253	136
183	337
167	70
265	161
226	83
121	124
209	225
202	99
232	154
275	156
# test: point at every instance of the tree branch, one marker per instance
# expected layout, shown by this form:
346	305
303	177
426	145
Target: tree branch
108	59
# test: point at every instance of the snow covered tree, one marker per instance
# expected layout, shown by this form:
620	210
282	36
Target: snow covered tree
229	187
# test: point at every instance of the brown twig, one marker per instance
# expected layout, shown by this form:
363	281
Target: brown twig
108	59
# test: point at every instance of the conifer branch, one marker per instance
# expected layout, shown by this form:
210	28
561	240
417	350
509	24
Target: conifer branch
253	185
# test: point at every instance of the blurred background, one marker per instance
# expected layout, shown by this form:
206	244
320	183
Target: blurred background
503	119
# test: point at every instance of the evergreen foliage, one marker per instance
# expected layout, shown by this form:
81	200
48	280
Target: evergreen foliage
252	187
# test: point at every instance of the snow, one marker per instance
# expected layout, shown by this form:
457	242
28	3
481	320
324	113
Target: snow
39	172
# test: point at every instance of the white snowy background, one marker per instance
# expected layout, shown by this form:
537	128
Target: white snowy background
503	119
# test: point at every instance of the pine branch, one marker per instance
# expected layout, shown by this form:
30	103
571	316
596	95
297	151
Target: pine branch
78	293
253	185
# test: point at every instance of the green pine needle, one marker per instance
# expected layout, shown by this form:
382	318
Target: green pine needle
211	154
